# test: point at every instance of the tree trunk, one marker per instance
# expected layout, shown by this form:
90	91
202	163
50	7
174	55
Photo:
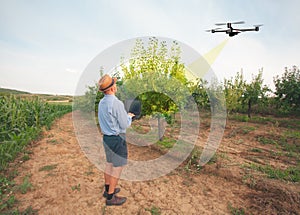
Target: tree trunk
249	108
159	128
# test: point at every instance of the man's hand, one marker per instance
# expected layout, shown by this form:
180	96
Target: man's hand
131	115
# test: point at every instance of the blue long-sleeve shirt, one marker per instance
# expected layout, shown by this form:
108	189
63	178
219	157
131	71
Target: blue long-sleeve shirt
112	116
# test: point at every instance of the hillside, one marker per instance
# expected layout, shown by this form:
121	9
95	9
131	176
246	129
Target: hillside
46	97
11	91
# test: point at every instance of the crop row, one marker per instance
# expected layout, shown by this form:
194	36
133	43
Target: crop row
21	121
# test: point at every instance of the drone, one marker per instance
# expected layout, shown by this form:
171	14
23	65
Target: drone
233	31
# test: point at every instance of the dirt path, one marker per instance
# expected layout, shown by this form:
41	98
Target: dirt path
65	182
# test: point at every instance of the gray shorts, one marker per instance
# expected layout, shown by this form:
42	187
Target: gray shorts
115	149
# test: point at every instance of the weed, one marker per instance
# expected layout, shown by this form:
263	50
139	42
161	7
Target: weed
29	211
256	150
89	173
25	157
8	203
50	135
52	141
292	134
6	199
242	130
263	120
241	118
25	186
249	180
213	160
289	141
166	143
48	167
239	141
76	187
224	156
154	210
193	160
293	155
247	129
235	211
290	174
265	140
291	145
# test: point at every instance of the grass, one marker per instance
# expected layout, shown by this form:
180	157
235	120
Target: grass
256	150
53	141
280	122
48	167
292	134
249	180
6	199
76	187
214	159
266	140
166	143
193	160
235	211
154	210
247	129
289	141
241	130
291	174
140	128
25	186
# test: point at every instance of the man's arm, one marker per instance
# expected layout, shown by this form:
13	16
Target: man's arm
123	117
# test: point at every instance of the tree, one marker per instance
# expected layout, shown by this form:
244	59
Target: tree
254	92
199	93
288	90
155	75
234	89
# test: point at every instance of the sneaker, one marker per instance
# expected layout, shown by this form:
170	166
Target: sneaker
117	190
116	200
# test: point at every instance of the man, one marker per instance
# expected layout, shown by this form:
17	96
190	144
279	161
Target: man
113	120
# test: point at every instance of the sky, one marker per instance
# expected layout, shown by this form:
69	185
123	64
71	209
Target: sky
45	45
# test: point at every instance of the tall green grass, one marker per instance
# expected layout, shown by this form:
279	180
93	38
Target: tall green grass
21	121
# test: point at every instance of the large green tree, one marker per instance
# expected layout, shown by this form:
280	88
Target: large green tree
288	90
233	90
254	92
155	75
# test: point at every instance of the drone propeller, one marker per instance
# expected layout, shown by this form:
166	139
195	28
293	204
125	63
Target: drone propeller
240	22
221	24
258	25
213	29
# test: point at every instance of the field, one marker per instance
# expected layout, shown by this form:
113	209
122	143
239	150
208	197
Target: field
23	118
256	170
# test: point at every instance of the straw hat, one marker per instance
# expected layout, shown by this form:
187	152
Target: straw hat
106	82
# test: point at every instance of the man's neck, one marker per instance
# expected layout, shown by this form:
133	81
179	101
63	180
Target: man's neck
110	93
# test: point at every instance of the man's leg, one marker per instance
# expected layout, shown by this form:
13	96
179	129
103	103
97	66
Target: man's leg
113	199
114	178
107	174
